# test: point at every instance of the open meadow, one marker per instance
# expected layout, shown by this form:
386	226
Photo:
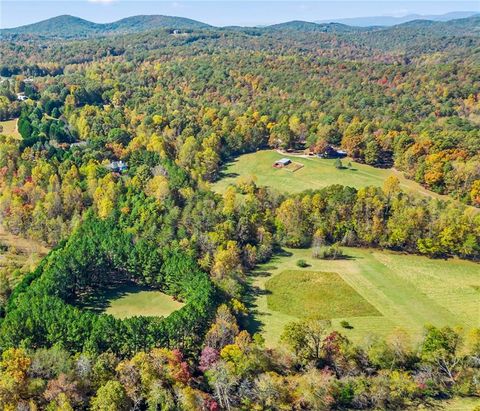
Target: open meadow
374	291
316	173
129	300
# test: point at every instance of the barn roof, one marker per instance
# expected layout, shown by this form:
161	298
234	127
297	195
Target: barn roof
283	161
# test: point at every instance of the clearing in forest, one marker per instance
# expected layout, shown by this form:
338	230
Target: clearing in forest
315	174
406	293
129	300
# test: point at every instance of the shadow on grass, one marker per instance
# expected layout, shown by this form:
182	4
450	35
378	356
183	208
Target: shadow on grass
252	322
260	273
223	170
283	253
100	299
228	175
342	257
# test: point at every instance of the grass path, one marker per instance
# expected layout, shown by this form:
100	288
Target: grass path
316	173
409	292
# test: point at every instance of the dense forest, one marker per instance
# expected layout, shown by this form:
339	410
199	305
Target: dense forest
121	134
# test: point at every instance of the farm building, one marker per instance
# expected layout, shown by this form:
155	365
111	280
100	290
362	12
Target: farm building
282	162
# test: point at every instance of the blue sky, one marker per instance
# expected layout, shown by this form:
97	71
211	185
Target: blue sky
222	12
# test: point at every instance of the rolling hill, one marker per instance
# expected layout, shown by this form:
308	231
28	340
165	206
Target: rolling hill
66	26
392	20
307	26
60	26
147	22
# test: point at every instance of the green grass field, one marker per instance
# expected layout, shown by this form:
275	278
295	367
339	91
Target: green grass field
10	128
131	300
457	404
311	293
316	173
408	291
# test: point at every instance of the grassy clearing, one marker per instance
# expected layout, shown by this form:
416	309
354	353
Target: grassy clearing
408	291
312	293
19	253
129	300
316	173
10	128
456	404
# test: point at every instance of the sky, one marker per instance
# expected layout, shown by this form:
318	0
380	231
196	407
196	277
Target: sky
15	13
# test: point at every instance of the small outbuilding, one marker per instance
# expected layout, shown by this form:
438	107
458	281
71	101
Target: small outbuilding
117	166
283	162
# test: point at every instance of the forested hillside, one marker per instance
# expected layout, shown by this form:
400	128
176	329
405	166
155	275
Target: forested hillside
121	137
75	27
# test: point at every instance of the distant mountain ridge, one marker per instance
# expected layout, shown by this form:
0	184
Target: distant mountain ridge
71	26
392	20
301	25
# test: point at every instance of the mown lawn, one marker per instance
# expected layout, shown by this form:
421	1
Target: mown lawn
131	300
10	128
311	293
316	173
408	292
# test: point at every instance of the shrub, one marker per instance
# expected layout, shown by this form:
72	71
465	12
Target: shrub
346	324
302	263
333	252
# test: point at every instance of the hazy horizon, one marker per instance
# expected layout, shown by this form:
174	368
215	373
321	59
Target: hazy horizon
223	13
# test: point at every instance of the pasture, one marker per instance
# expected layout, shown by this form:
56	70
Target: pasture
9	128
129	300
312	293
386	291
316	173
